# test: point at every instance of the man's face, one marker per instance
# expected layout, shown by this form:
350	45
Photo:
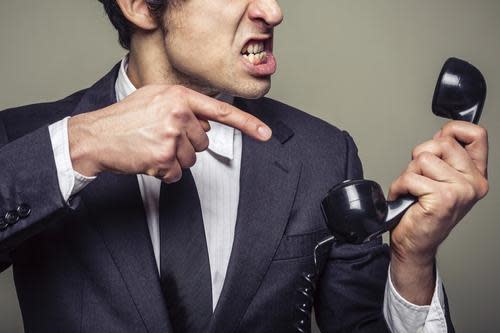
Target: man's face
222	45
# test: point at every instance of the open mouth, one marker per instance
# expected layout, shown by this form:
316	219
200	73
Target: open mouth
257	57
255	52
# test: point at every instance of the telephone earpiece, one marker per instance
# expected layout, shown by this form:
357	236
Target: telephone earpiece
356	210
460	92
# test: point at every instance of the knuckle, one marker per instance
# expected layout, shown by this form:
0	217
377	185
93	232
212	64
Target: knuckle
453	126
180	113
424	158
449	197
421	148
418	150
171	132
484	188
246	122
482	132
449	126
406	177
163	156
470	192
221	110
447	142
177	90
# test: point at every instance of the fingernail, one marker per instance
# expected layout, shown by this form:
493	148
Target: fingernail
264	132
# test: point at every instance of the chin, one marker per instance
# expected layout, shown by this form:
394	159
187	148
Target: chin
252	90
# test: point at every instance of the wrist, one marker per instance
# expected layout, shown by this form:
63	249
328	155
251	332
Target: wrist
408	250
82	145
413	258
413	279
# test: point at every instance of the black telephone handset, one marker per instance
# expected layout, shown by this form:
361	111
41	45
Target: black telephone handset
356	210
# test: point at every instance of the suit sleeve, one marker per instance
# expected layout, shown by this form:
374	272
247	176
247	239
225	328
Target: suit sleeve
29	189
351	290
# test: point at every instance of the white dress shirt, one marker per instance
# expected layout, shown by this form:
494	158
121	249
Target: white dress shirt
216	174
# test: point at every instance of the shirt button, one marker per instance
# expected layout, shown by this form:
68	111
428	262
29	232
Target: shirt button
11	217
23	210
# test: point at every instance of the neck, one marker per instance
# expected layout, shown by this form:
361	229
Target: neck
148	64
147	60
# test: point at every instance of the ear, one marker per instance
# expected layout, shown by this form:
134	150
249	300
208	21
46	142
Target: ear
138	13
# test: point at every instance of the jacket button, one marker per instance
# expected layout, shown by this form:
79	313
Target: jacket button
3	224
23	210
11	217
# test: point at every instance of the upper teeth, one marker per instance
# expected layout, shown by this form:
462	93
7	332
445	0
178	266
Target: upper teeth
255	47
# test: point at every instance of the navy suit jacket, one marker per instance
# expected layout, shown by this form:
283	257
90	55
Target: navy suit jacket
88	265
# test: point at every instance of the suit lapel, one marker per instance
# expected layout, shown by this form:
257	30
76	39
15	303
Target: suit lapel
115	206
268	182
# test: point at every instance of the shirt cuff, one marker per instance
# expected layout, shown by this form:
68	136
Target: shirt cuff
403	316
70	181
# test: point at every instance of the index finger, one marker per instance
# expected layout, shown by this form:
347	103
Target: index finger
210	108
474	139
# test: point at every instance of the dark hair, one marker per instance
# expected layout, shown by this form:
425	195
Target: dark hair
124	26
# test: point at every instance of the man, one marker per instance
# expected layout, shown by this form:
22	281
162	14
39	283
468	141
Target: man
99	243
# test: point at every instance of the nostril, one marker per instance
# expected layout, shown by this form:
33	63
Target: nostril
267	13
262	23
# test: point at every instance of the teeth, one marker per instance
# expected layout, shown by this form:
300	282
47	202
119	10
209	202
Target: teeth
256	59
254	53
253	48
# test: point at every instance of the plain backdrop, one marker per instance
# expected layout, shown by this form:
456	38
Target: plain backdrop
366	66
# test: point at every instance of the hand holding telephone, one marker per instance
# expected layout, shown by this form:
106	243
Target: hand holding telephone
356	210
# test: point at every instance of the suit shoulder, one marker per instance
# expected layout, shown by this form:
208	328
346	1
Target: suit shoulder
308	128
21	120
327	153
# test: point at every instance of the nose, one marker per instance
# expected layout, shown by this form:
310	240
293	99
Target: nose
266	11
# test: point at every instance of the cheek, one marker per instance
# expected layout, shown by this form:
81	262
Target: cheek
195	48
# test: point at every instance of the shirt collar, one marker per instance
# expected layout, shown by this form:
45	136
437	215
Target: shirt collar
220	136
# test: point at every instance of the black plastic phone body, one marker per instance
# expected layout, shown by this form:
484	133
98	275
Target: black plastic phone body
356	210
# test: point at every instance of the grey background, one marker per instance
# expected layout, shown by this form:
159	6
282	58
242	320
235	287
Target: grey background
367	66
